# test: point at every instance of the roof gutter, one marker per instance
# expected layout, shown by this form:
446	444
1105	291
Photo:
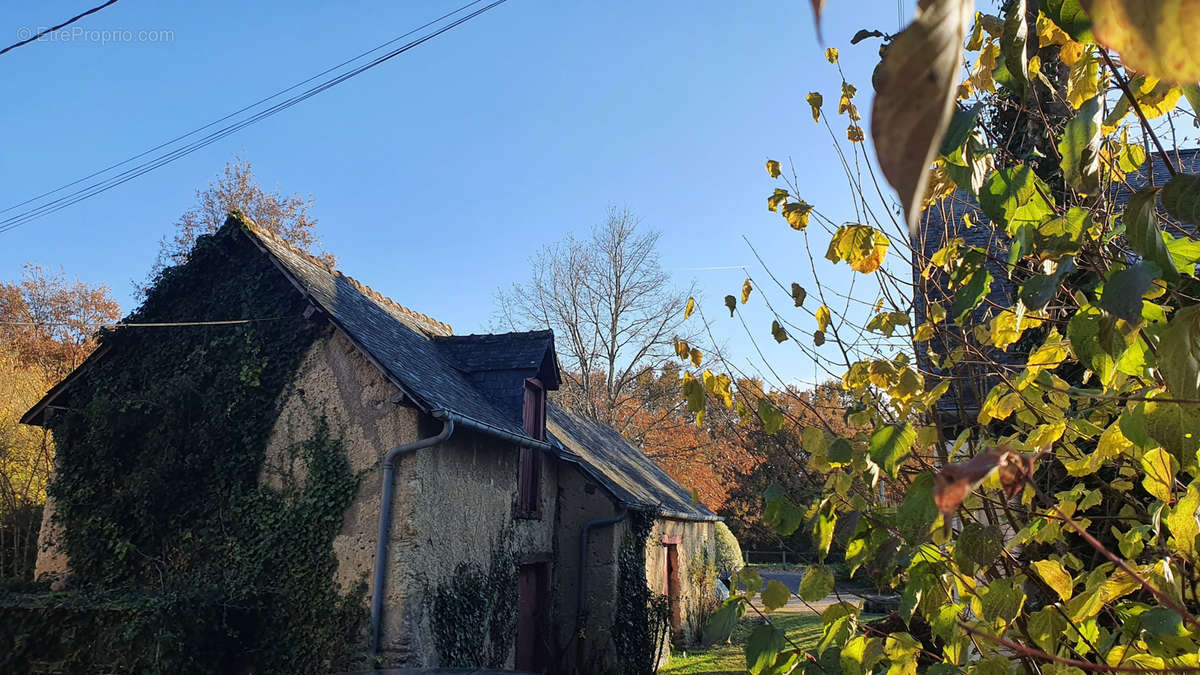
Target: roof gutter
449	421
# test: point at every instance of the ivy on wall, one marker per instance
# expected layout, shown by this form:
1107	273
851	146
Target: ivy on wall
177	553
474	615
642	616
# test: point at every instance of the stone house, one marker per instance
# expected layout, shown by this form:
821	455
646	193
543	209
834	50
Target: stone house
473	491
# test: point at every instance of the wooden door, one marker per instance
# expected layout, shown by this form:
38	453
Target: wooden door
672	589
533	606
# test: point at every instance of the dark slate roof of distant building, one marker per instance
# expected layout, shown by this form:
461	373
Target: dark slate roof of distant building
632	477
944	221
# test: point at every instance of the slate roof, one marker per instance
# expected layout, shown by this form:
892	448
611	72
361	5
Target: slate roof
943	222
399	340
504	351
625	471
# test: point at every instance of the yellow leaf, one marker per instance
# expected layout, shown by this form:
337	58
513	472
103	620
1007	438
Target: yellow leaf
746	288
689	308
823	318
1049	33
773	168
861	246
777	199
1055	576
1160	468
696	355
1083	78
814	99
855	133
796	214
924	332
831	55
1156	38
1071	52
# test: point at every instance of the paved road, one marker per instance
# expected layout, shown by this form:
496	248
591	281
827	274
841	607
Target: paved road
791	579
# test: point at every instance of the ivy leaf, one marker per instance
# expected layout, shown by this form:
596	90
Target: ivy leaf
1080	147
816	584
1123	290
773	168
915	84
1179	353
771	418
775	595
746	288
1143	233
731	303
798	294
890	444
778	332
861	246
1181	198
1012	46
1069	16
689	308
762	648
814	99
1056	577
971	294
1155	38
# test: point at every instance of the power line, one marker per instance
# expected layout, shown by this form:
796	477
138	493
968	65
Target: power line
64	24
106	184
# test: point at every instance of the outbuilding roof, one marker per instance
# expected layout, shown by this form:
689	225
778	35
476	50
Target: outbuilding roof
624	470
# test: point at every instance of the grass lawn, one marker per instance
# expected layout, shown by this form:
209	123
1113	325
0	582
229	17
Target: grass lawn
803	629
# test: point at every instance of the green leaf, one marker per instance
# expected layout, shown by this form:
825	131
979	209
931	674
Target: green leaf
775	595
1012	46
1181	198
1185	252
915	87
841	451
724	620
771	418
918	512
902	649
890	444
823	527
1143	233
1175	427
798	294
1179	353
971	294
1003	601
1163	622
1183	523
962	123
1040	289
1192	93
777	199
860	655
1123	290
752	580
731	303
1056	577
977	545
796	214
1045	626
780	513
816	584
861	246
1154	38
1015	196
1080	147
1069	16
778	332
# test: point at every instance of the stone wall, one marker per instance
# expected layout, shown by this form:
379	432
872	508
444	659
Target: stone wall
453	502
696	552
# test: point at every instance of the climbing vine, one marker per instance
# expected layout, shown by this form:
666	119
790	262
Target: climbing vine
180	559
474	615
642	618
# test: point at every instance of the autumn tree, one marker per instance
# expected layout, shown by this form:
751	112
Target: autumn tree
238	189
48	325
613	310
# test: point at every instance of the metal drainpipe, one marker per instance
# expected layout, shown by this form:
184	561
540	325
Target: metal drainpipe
581	601
385	522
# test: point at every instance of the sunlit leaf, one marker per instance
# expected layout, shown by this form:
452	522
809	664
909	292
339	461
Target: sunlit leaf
890	444
816	584
814	99
861	246
1055	576
763	648
1143	233
831	55
797	213
1157	38
915	90
780	513
746	288
778	198
1069	15
971	294
823	318
773	168
689	308
1015	196
1012	44
1080	147
1083	81
775	595
1159	467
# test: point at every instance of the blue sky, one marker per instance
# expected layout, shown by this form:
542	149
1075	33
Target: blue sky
436	175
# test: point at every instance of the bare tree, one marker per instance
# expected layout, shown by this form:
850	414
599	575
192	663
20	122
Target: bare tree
613	311
237	189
